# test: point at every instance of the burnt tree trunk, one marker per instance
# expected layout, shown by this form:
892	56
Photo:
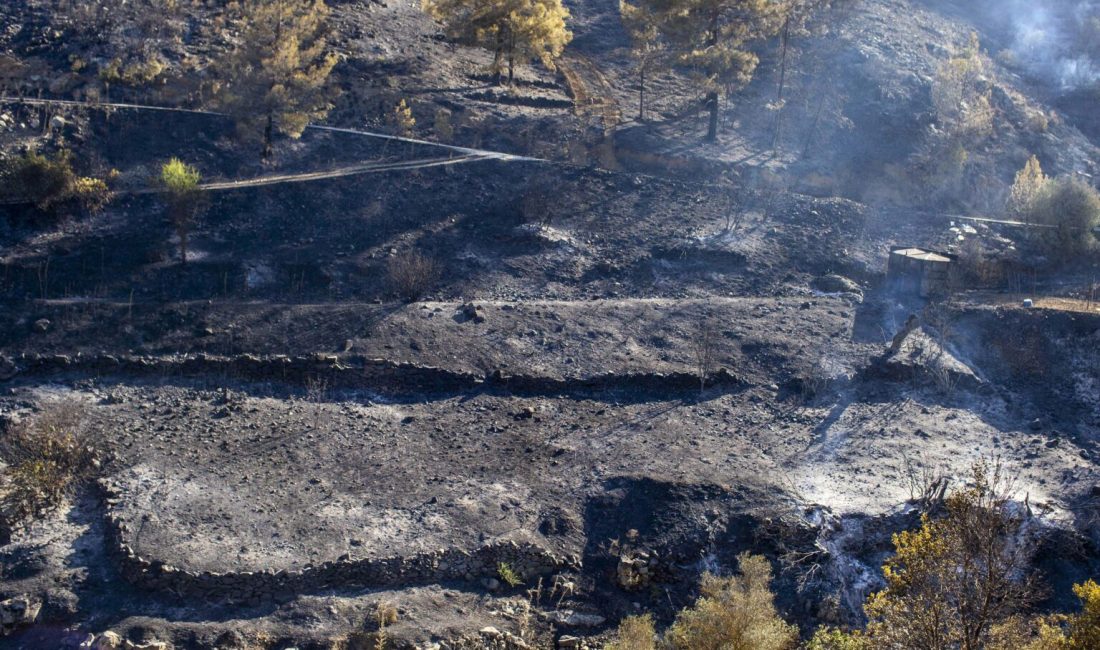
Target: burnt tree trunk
269	130
785	40
712	96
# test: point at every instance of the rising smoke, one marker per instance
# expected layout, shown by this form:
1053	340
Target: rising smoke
1057	40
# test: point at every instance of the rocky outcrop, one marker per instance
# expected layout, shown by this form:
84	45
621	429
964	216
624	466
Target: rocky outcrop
916	355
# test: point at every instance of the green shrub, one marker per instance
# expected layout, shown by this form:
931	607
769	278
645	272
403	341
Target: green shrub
828	638
1072	208
177	177
509	575
180	183
138	72
50	183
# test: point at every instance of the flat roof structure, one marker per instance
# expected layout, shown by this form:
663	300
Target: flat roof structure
921	254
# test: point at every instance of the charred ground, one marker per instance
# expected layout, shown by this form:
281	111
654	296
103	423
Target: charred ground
284	444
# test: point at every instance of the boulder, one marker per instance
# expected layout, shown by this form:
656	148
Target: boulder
569	618
833	283
8	369
470	312
916	354
18	612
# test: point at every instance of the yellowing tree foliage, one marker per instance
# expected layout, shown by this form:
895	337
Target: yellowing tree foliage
1029	183
648	49
735	613
276	78
961	92
1084	628
955	578
514	30
714	38
180	183
402	120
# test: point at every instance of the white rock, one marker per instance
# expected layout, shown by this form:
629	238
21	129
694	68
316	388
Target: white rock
108	641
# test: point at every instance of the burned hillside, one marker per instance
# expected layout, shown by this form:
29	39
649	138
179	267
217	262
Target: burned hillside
358	325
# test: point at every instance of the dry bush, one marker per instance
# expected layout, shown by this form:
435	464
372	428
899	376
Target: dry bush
539	198
443	127
946	381
635	633
50	183
927	483
410	275
384	615
734	613
44	458
975	267
1071	209
955	578
817	379
704	349
961	93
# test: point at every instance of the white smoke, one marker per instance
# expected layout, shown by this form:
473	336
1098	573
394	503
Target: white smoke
1047	39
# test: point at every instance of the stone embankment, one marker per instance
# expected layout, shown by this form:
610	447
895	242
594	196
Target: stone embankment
348	371
256	587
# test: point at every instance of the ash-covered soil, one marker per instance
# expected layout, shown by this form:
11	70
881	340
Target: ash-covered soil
615	377
327	468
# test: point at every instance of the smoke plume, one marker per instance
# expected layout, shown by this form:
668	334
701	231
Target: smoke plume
1057	40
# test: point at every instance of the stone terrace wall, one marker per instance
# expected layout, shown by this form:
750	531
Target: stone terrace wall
443	565
350	371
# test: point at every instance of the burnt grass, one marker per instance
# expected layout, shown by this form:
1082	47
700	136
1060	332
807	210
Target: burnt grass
272	411
270	407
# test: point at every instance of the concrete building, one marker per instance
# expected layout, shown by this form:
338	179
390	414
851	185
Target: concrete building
920	271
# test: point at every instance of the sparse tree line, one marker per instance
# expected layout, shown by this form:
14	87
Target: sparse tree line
961	581
716	41
274	74
1066	208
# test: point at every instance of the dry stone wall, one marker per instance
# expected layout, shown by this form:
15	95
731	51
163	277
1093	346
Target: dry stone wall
442	565
349	371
